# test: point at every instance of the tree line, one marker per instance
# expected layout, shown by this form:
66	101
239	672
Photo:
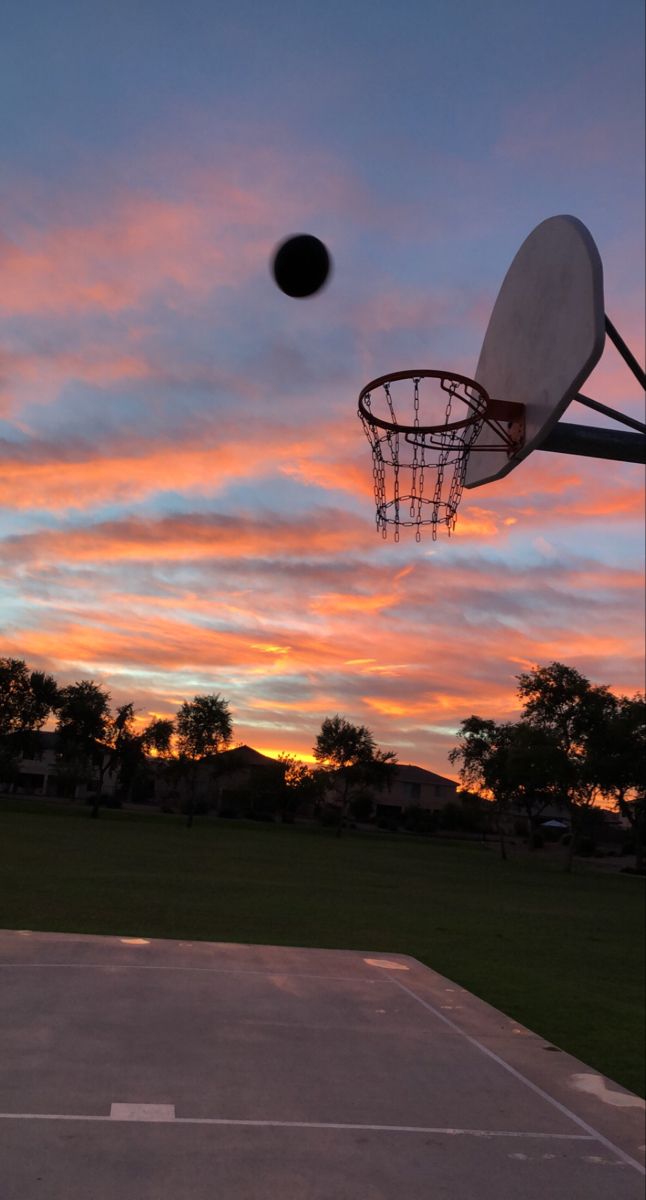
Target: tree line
94	741
577	746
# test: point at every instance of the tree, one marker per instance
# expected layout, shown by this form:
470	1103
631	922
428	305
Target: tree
130	747
514	764
536	769
157	744
157	736
349	755
301	785
482	751
620	757
14	689
204	728
85	732
26	700
43	700
560	700
576	743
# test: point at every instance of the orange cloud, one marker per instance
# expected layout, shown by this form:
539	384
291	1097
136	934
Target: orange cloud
316	705
144	245
336	603
69	476
183	538
546	487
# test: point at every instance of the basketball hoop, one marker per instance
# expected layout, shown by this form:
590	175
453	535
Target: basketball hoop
419	466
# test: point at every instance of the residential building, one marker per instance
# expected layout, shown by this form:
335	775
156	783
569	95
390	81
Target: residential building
230	783
38	772
415	787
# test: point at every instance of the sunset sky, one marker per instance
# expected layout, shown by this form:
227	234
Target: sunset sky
185	489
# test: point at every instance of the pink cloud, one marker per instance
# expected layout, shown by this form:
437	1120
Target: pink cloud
68	476
181	538
145	244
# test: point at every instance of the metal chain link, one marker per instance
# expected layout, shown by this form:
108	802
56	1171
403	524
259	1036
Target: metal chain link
445	452
414	464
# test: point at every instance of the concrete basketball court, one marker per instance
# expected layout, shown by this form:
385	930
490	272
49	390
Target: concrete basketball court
151	1070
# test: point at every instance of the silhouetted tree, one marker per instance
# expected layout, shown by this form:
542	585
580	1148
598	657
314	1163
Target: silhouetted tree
26	700
301	785
85	732
557	753
204	728
482	752
130	747
349	755
536	769
620	756
560	700
157	736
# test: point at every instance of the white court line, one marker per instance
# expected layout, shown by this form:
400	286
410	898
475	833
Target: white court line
257	1124
142	1112
129	966
632	1162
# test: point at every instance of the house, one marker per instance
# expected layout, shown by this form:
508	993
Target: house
38	772
244	774
414	787
232	782
409	786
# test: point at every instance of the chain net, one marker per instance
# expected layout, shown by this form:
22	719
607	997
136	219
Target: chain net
419	474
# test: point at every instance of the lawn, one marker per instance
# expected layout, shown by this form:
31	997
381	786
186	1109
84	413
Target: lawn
562	954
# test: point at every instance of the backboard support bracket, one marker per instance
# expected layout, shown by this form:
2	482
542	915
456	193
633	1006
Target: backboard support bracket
588	441
627	355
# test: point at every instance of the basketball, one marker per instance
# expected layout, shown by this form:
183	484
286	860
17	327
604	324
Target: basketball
301	265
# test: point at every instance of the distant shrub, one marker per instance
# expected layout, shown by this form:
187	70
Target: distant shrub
464	816
389	821
107	801
420	820
551	833
361	808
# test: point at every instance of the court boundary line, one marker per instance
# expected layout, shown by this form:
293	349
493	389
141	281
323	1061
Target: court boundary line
274	1124
206	970
562	1108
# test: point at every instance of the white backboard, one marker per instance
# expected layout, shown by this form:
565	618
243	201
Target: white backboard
545	336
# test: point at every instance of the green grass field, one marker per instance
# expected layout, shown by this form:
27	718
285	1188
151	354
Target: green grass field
562	954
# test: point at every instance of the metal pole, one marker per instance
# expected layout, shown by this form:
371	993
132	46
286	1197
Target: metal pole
611	412
626	354
596	443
